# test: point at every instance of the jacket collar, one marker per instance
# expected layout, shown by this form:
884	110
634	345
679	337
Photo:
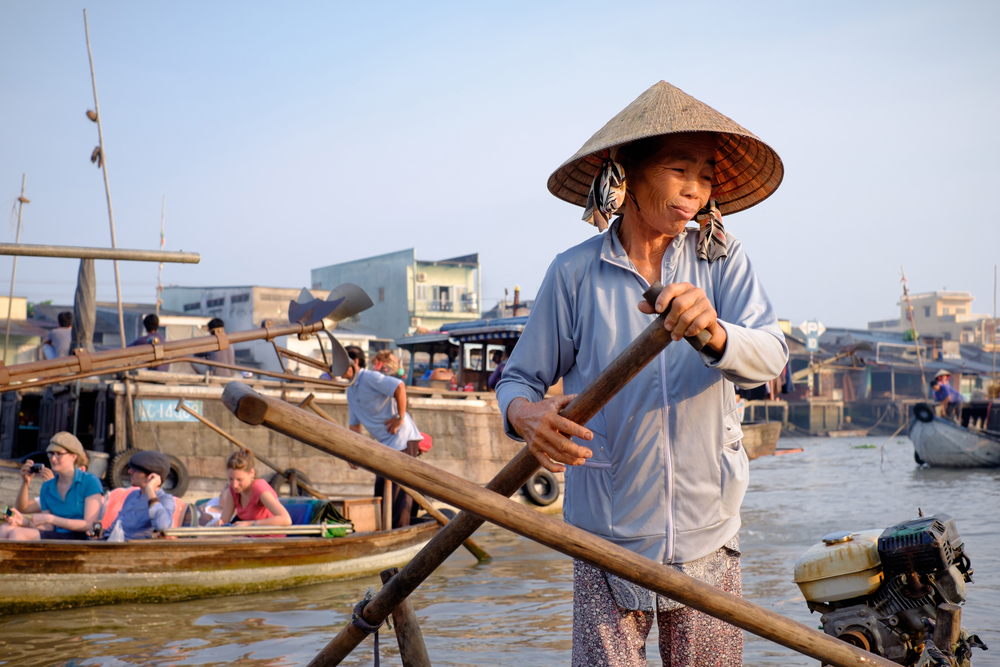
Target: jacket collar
614	253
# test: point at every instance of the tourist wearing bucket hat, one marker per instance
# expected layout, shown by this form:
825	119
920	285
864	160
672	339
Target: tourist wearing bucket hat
68	504
148	508
660	469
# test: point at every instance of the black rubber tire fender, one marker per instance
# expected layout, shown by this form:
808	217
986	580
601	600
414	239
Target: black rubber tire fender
543	488
175	484
279	483
923	412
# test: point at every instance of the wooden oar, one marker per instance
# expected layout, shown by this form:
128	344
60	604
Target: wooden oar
650	343
239	445
418	497
252	408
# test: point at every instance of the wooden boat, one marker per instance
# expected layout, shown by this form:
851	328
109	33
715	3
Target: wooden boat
760	439
943	443
57	574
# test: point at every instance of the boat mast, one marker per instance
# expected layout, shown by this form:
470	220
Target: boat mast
21	201
100	156
913	328
995	390
163	241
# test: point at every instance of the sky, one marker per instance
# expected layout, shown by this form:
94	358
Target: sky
290	136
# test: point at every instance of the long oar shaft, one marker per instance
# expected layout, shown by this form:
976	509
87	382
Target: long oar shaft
570	540
95	363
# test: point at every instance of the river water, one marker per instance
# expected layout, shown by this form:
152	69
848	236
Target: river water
517	610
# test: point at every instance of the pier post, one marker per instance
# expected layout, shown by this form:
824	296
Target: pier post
412	649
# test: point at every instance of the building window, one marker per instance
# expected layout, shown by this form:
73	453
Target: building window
192	306
381	294
927	311
215	303
960	311
239	298
946	310
421	292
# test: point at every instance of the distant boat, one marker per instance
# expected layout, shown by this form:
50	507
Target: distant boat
760	439
56	574
943	443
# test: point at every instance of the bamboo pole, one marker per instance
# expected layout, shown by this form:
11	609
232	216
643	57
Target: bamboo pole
21	201
418	498
163	243
664	580
103	159
412	649
85	252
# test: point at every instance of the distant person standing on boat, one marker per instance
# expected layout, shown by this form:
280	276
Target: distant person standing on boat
949	399
58	340
378	402
149	508
151	323
227	356
500	359
660	470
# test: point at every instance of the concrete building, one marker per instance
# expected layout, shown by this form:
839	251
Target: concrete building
944	315
246	307
410	295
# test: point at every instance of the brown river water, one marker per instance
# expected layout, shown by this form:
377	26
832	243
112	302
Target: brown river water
517	610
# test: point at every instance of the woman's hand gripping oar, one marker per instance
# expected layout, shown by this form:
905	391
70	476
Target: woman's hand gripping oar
581	409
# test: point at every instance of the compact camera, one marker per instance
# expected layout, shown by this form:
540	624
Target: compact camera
37	468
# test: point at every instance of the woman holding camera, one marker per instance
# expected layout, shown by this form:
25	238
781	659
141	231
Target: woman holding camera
69	503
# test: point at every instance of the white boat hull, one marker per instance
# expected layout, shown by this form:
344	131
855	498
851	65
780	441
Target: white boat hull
944	444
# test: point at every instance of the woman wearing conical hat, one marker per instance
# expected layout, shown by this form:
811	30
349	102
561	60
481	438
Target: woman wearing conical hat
660	470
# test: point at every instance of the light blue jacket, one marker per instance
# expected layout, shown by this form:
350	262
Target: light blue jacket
668	473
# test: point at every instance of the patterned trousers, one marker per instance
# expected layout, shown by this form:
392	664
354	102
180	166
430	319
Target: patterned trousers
606	635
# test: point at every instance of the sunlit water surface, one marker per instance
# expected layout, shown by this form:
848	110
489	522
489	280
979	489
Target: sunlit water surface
517	610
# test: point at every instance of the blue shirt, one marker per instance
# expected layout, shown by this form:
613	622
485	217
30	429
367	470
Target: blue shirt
83	486
371	403
668	472
139	519
945	390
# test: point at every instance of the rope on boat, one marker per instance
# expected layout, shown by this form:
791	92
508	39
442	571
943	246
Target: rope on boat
358	619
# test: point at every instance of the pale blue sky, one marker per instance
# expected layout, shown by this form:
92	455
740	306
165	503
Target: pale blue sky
288	136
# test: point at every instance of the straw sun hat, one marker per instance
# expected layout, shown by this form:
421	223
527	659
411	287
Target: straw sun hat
747	170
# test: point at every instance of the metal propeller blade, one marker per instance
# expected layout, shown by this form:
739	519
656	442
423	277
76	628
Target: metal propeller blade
339	361
354	300
311	311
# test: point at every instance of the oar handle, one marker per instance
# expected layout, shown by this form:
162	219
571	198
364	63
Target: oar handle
699	341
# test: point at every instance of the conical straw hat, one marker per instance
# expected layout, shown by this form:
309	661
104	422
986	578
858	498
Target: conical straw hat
747	170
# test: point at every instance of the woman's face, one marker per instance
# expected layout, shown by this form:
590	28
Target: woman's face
62	461
674	183
240	480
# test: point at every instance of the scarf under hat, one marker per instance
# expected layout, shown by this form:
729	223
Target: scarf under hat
607	195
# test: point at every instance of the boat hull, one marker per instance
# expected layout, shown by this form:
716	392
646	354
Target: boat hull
944	444
761	439
59	574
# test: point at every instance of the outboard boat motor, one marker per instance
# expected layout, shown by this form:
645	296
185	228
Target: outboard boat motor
879	589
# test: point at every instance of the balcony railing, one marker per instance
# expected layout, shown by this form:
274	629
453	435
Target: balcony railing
428	306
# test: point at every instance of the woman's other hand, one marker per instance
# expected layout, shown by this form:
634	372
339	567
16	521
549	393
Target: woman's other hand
546	432
26	473
690	313
16	518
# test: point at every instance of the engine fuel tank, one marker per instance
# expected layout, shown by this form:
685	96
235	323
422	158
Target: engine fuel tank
842	566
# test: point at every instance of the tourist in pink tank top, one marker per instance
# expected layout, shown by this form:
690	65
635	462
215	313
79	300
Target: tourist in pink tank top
252	500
